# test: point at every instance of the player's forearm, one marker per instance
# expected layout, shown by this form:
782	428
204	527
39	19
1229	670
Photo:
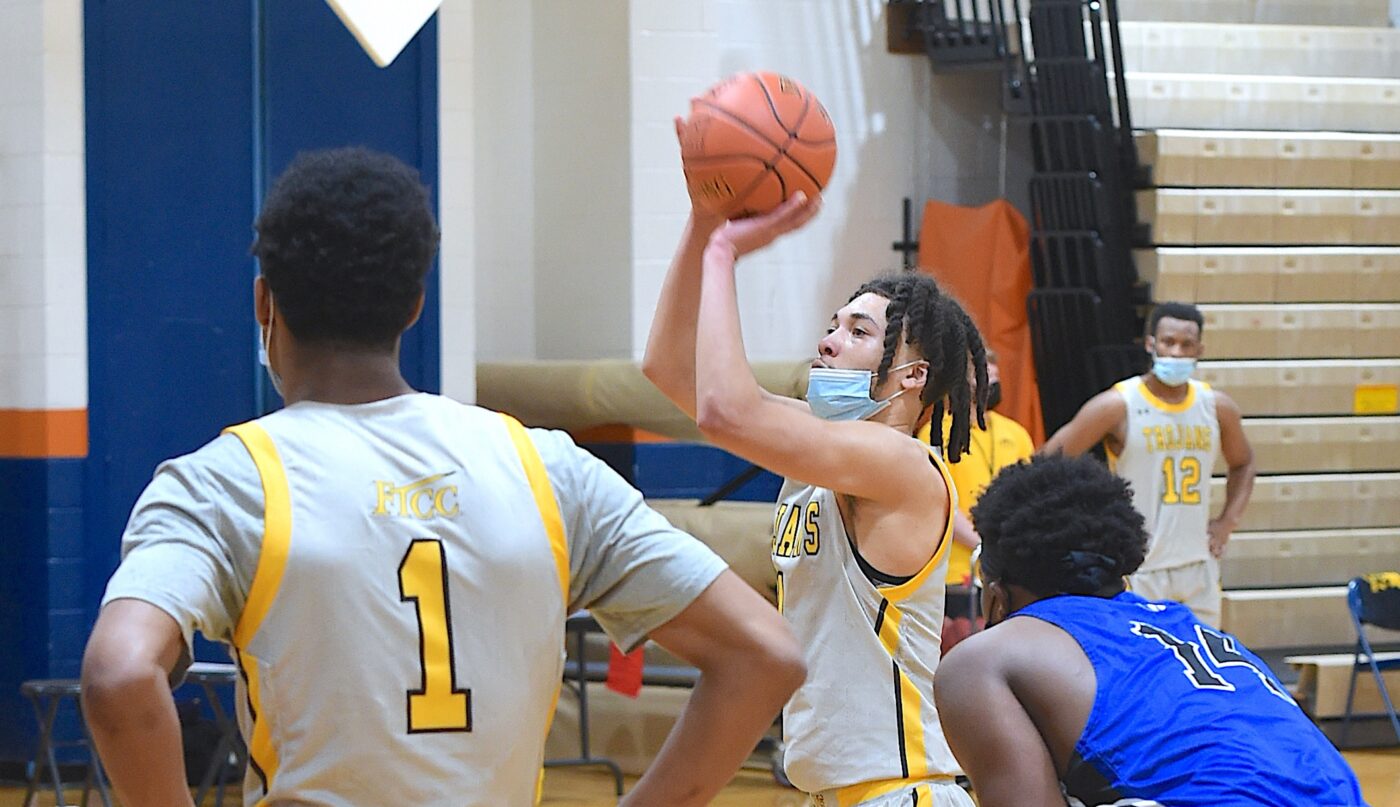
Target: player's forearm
725	389
131	714
728	713
669	362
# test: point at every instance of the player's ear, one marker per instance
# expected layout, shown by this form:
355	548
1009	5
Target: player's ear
262	301
917	376
996	602
1150	344
417	310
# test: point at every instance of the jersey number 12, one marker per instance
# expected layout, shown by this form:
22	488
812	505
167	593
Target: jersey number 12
1189	471
437	705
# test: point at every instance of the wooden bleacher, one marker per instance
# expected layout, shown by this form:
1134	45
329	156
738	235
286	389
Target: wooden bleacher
1272	128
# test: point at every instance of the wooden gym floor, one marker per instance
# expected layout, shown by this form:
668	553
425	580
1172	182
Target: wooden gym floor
1378	770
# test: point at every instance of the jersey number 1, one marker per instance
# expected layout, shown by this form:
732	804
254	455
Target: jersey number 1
438	705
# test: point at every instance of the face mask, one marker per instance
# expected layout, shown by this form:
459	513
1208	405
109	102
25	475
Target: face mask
1173	371
993	395
845	394
266	338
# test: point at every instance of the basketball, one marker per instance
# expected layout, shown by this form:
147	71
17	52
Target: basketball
752	141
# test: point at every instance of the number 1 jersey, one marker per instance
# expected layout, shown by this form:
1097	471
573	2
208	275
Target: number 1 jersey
393	579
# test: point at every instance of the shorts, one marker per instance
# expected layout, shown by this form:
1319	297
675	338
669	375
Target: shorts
1195	585
939	793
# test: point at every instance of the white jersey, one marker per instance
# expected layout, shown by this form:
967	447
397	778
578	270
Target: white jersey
864	720
1168	452
395	597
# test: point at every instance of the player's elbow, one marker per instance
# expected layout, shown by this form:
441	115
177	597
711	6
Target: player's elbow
784	664
112	681
718	417
764	658
655	371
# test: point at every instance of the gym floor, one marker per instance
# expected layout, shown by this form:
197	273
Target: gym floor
1378	770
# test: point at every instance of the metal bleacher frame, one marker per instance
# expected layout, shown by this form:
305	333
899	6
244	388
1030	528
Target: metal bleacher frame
1084	309
1057	63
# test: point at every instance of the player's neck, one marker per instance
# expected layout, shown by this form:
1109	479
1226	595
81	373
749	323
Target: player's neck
338	376
1164	392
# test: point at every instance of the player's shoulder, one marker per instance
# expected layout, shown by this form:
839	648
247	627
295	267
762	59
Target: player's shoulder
221	467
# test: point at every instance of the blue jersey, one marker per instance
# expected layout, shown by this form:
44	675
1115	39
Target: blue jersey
1185	715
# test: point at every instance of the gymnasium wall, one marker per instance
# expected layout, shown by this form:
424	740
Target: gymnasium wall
578	107
43	351
136	140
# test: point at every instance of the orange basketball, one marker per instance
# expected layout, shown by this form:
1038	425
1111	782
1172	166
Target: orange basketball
752	141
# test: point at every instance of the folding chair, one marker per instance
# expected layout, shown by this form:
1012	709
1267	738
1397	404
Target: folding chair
1373	599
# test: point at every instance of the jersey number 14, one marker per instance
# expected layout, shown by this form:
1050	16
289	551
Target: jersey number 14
437	705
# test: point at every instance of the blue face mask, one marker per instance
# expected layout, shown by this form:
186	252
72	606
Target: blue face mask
1173	371
845	394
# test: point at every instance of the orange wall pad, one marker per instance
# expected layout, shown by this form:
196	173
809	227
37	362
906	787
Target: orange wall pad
43	433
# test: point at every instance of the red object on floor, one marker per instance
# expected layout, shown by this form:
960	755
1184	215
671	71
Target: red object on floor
625	671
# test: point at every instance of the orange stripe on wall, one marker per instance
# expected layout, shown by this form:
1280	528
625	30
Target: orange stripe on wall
618	433
43	433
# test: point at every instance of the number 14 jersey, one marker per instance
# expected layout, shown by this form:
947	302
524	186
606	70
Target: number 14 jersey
1168	452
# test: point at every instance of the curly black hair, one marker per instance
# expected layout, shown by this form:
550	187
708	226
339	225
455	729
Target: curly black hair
344	240
1182	311
945	336
1059	525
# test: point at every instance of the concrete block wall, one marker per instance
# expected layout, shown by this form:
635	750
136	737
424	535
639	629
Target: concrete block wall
43	350
580	193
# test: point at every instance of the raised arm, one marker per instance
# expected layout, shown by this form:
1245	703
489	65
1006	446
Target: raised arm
1100	418
128	705
1239	482
669	362
862	459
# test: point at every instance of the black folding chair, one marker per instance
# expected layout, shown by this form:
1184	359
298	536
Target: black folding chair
1373	599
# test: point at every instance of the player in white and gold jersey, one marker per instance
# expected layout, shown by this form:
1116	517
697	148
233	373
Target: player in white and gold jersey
863	525
1162	431
393	569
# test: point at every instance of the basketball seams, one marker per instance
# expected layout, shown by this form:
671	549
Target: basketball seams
773	107
750	152
748	127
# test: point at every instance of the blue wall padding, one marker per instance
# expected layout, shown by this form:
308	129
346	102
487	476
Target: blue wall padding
683	470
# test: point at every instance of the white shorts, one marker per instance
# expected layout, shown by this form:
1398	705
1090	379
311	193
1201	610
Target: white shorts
1195	585
942	793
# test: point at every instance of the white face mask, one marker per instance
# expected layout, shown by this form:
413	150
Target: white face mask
265	339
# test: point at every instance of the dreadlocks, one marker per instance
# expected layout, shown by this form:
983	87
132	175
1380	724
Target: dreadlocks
943	334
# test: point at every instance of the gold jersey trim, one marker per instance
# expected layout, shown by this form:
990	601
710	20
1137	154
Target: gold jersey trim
908	587
267	579
548	506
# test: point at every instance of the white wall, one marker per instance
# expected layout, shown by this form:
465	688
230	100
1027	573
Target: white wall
582	144
457	198
574	103
43	219
504	219
900	132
